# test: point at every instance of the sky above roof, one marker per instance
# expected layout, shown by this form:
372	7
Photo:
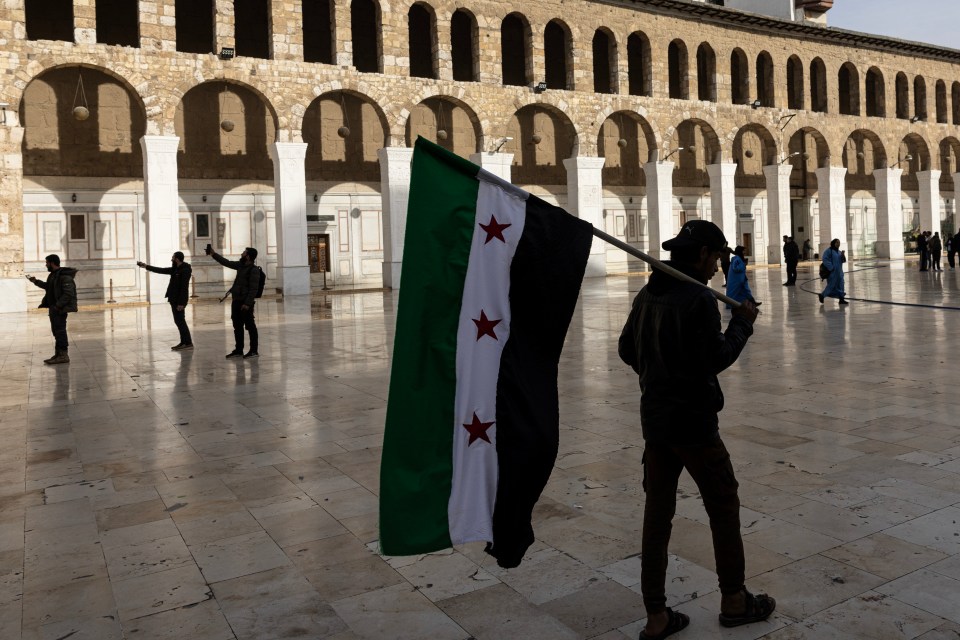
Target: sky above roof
931	21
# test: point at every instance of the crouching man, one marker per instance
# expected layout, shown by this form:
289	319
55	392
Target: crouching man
59	300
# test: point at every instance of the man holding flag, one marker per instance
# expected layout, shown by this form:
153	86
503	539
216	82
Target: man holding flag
674	342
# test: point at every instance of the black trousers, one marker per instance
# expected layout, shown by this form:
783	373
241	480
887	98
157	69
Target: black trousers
791	271
58	327
924	258
711	469
935	261
244	320
950	258
179	319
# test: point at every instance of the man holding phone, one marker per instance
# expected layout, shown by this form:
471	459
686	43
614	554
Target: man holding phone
59	300
244	295
178	294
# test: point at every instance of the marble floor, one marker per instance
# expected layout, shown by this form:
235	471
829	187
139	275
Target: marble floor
152	494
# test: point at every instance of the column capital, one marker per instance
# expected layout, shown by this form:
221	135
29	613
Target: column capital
929	174
658	167
159	144
583	162
831	173
499	164
774	171
395	154
722	169
888	173
288	150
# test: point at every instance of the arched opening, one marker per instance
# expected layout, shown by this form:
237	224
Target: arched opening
949	165
318	32
863	153
955	101
208	150
765	88
49	19
739	78
118	22
422	33
543	137
876	94
252	28
194	26
706	73
334	157
903	97
365	34
557	52
794	83
920	98
941	102
638	64
913	156
515	49
463	37
806	151
604	62
447	122
818	86
700	147
753	149
625	141
677	67
848	90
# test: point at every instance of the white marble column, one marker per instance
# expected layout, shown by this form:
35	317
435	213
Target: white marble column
831	188
499	164
723	201
659	207
929	200
161	200
290	193
778	209
13	286
585	200
889	213
956	203
395	192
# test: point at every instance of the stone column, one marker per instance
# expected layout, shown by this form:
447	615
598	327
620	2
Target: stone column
778	209
723	202
499	164
956	203
286	29
585	200
13	286
161	200
342	33
889	213
444	50
659	207
395	193
290	193
85	21
223	25
833	206
158	25
929	200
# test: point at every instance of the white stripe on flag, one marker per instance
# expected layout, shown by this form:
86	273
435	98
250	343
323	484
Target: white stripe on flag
486	294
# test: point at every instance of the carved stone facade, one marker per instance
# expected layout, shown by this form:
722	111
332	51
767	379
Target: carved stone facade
701	103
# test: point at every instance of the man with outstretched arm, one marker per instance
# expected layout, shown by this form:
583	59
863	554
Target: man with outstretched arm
178	295
243	295
59	300
673	340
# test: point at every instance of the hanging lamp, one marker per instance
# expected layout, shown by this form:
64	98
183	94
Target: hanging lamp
344	130
441	131
80	112
226	124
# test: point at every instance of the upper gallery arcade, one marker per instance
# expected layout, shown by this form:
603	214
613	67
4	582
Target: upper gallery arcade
132	130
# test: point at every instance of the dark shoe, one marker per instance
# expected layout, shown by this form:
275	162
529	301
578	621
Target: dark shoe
183	347
251	354
759	607
51	358
235	354
176	347
60	358
676	622
842	301
820	295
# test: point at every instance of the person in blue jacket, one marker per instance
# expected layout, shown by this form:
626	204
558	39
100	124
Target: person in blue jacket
833	260
737	286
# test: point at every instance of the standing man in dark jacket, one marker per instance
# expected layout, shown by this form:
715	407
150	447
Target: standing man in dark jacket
59	300
791	255
673	340
923	250
178	295
244	295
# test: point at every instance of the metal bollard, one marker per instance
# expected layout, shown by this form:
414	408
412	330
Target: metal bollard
111	300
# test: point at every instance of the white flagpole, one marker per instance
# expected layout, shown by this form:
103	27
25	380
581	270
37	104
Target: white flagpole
656	264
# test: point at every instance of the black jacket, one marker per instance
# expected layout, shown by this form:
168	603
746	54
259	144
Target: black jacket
61	290
791	252
247	282
178	291
673	340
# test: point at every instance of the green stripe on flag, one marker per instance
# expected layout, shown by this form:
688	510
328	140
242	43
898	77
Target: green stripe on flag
417	465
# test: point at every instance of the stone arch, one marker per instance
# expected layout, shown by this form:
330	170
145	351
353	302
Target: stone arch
106	143
807	151
366	34
700	147
903	96
334	156
766	86
739	77
543	137
818	86
558	53
274	103
464	38
706	73
754	148
605	61
678	70
848	89
920	98
422	40
863	153
941	98
447	121
955	102
516	48
914	146
876	94
452	92
795	91
639	64
208	149
949	163
625	139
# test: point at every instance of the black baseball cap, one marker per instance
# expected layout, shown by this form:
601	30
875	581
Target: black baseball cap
698	233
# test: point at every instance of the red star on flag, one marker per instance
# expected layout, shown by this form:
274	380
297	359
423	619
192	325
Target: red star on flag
494	230
485	326
477	429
